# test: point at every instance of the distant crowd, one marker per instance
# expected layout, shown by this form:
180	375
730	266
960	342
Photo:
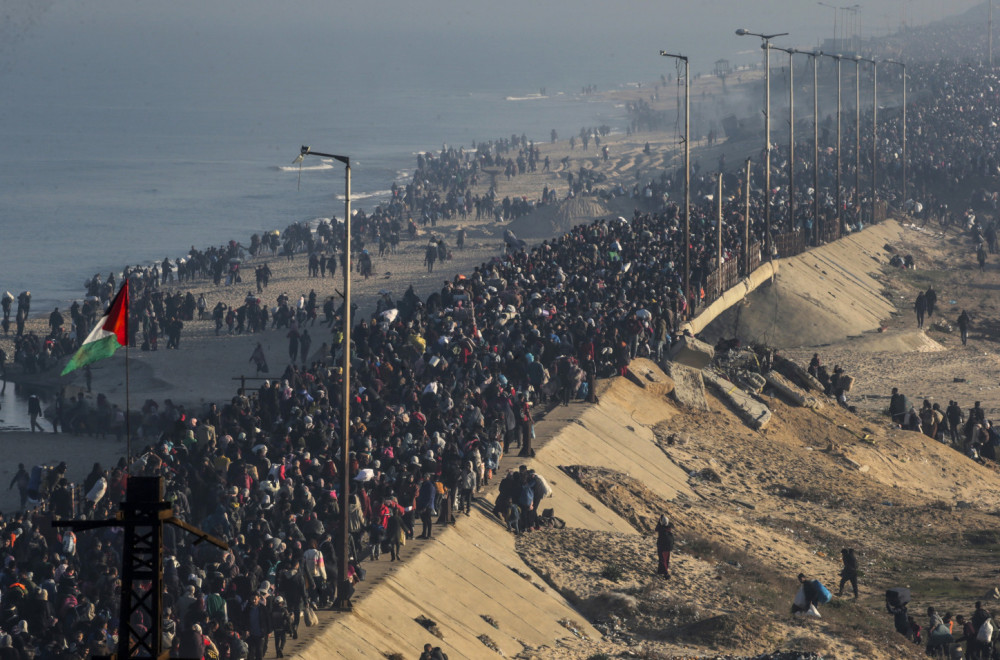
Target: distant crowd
442	388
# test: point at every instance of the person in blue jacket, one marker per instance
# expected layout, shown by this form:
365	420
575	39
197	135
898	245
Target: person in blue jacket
426	498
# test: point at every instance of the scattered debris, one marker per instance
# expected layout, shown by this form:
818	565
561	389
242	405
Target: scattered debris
572	626
489	643
526	576
430	625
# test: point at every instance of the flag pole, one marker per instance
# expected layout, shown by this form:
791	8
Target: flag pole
128	403
110	333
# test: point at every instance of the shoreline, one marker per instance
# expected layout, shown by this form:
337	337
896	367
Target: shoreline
153	376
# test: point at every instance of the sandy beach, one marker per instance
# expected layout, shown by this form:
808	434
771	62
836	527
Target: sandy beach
207	368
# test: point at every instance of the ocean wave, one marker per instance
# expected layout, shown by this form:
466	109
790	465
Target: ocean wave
304	168
368	195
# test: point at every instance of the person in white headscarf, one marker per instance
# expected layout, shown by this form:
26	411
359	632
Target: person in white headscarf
664	545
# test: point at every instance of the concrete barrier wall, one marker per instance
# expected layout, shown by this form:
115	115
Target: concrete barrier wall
825	293
730	297
472	569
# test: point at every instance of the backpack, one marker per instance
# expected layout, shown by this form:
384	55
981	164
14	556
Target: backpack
527	495
239	648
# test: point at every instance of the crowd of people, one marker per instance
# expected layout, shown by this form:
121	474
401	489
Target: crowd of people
946	635
969	432
441	390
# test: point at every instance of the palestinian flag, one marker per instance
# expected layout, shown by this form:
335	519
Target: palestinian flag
109	333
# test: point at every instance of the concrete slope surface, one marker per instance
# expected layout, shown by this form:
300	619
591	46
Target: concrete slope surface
751	509
471	571
818	297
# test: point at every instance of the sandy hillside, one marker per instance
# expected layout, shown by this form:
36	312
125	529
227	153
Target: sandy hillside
752	509
755	508
931	362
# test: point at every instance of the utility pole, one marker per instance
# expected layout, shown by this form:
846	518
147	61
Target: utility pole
141	516
768	245
687	175
746	220
718	240
816	222
342	601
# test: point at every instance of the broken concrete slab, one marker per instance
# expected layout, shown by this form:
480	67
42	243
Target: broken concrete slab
645	374
689	388
754	413
797	374
791	392
691	352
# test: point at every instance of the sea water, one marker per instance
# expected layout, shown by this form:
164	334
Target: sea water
97	175
131	131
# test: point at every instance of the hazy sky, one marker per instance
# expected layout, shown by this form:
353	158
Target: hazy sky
600	28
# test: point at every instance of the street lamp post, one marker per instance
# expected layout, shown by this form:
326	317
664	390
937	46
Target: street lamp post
791	135
838	58
767	131
903	67
718	237
687	174
746	220
343	601
834	8
816	224
854	10
857	135
874	131
856	21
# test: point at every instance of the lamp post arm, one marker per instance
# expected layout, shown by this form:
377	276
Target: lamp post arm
306	151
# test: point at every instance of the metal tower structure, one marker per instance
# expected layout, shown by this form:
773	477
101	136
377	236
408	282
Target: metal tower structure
141	515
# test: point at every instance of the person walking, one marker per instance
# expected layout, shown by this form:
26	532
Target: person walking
292	587
955	418
35	411
664	546
920	307
21	480
850	571
293	343
930	296
281	625
466	484
963	326
425	504
259	359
